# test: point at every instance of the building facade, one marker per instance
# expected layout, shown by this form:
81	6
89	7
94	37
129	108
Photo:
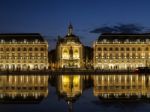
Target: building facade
69	51
121	51
23	52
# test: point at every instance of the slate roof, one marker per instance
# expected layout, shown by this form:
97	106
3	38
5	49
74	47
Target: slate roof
29	37
123	36
69	38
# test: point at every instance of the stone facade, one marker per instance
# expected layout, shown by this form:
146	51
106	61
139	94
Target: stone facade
69	51
23	52
121	51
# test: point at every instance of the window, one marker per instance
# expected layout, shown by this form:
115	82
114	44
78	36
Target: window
7	49
116	48
110	49
122	49
24	49
122	55
133	55
105	49
127	49
133	49
18	49
127	55
30	49
99	49
36	49
42	49
146	49
110	56
1	49
139	49
13	49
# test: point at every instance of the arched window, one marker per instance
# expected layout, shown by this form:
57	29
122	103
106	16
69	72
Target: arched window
42	49
18	49
1	49
99	49
65	51
24	49
105	49
110	49
146	49
36	49
122	49
127	55
133	55
13	49
127	49
76	51
7	49
139	49
116	49
122	55
133	49
30	49
110	56
116	56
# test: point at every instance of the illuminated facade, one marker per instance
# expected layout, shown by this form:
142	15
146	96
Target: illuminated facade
121	51
23	52
121	86
23	87
69	51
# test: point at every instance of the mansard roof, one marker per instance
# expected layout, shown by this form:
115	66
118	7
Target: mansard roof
124	36
29	37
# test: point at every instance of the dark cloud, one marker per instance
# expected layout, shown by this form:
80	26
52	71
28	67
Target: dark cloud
120	28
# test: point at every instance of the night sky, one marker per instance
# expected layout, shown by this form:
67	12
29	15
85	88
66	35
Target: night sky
51	17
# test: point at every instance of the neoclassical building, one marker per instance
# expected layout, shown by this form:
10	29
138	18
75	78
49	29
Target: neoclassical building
24	51
69	51
121	51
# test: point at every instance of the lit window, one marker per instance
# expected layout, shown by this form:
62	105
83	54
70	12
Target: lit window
139	49
146	49
127	49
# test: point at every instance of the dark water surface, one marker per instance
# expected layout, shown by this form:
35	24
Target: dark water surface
75	93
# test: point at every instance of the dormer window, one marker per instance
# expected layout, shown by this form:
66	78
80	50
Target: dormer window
116	40
147	40
25	41
104	40
2	41
13	40
36	41
127	40
138	40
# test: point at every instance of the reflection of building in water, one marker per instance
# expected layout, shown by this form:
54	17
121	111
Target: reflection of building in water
23	52
70	88
122	86
69	51
121	51
23	88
